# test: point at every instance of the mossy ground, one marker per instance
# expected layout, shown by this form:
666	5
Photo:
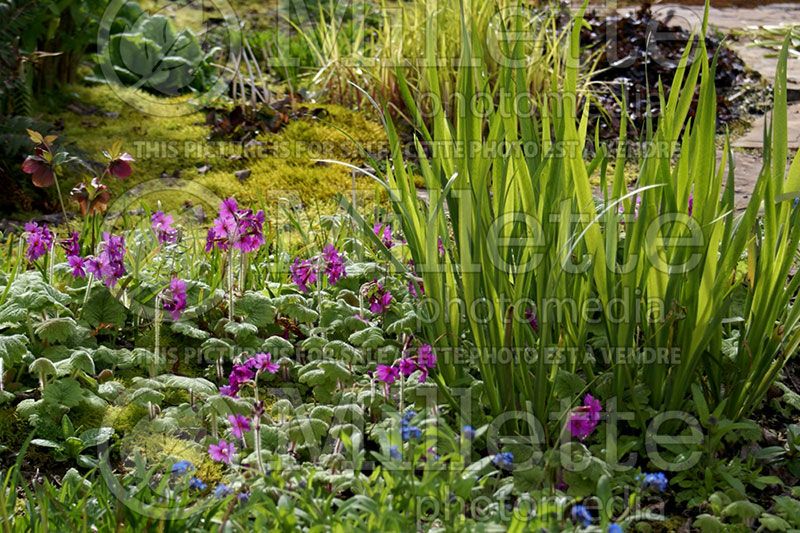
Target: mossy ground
282	165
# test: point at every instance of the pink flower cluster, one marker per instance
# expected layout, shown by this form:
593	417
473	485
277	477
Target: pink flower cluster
39	240
584	419
238	228
162	227
425	360
384	233
247	371
334	263
109	264
174	298
379	298
304	271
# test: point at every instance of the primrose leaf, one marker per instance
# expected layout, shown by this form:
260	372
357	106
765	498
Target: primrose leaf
103	308
241	330
66	392
96	436
199	386
189	329
79	360
407	324
369	338
258	309
146	395
111	357
56	330
215	348
12	349
743	509
111	390
294	306
342	351
278	347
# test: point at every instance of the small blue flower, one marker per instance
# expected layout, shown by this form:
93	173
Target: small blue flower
468	432
408	432
243	497
657	481
222	491
394	453
581	514
181	467
197	484
614	528
503	459
408	415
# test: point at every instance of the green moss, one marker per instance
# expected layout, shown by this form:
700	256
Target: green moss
282	164
166	449
13	431
87	416
124	418
176	396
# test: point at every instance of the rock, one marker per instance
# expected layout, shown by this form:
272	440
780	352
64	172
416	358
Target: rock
242	175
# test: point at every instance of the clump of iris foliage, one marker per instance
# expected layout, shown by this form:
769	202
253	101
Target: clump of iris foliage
176	377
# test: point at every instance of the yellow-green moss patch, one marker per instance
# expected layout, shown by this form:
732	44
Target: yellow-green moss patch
281	165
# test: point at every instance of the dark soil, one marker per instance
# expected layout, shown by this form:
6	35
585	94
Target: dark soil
638	50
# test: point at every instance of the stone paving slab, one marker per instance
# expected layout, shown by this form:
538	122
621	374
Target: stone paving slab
734	18
754	138
748	158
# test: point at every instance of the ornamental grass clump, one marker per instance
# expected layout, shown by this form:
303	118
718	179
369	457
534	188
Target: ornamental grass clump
551	259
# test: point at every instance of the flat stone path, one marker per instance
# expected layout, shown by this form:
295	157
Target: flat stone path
727	19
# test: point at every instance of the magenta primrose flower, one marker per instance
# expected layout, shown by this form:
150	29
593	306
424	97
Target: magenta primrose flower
334	263
174	298
78	265
691	204
240	228
39	239
424	361
379	299
426	357
262	362
384	233
227	390
222	452
109	264
406	366
584	419
239	425
71	244
303	273
387	374
162	227
240	374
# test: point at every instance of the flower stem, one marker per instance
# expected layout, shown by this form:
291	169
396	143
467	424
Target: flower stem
61	199
89	281
242	271
157	334
257	428
230	284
